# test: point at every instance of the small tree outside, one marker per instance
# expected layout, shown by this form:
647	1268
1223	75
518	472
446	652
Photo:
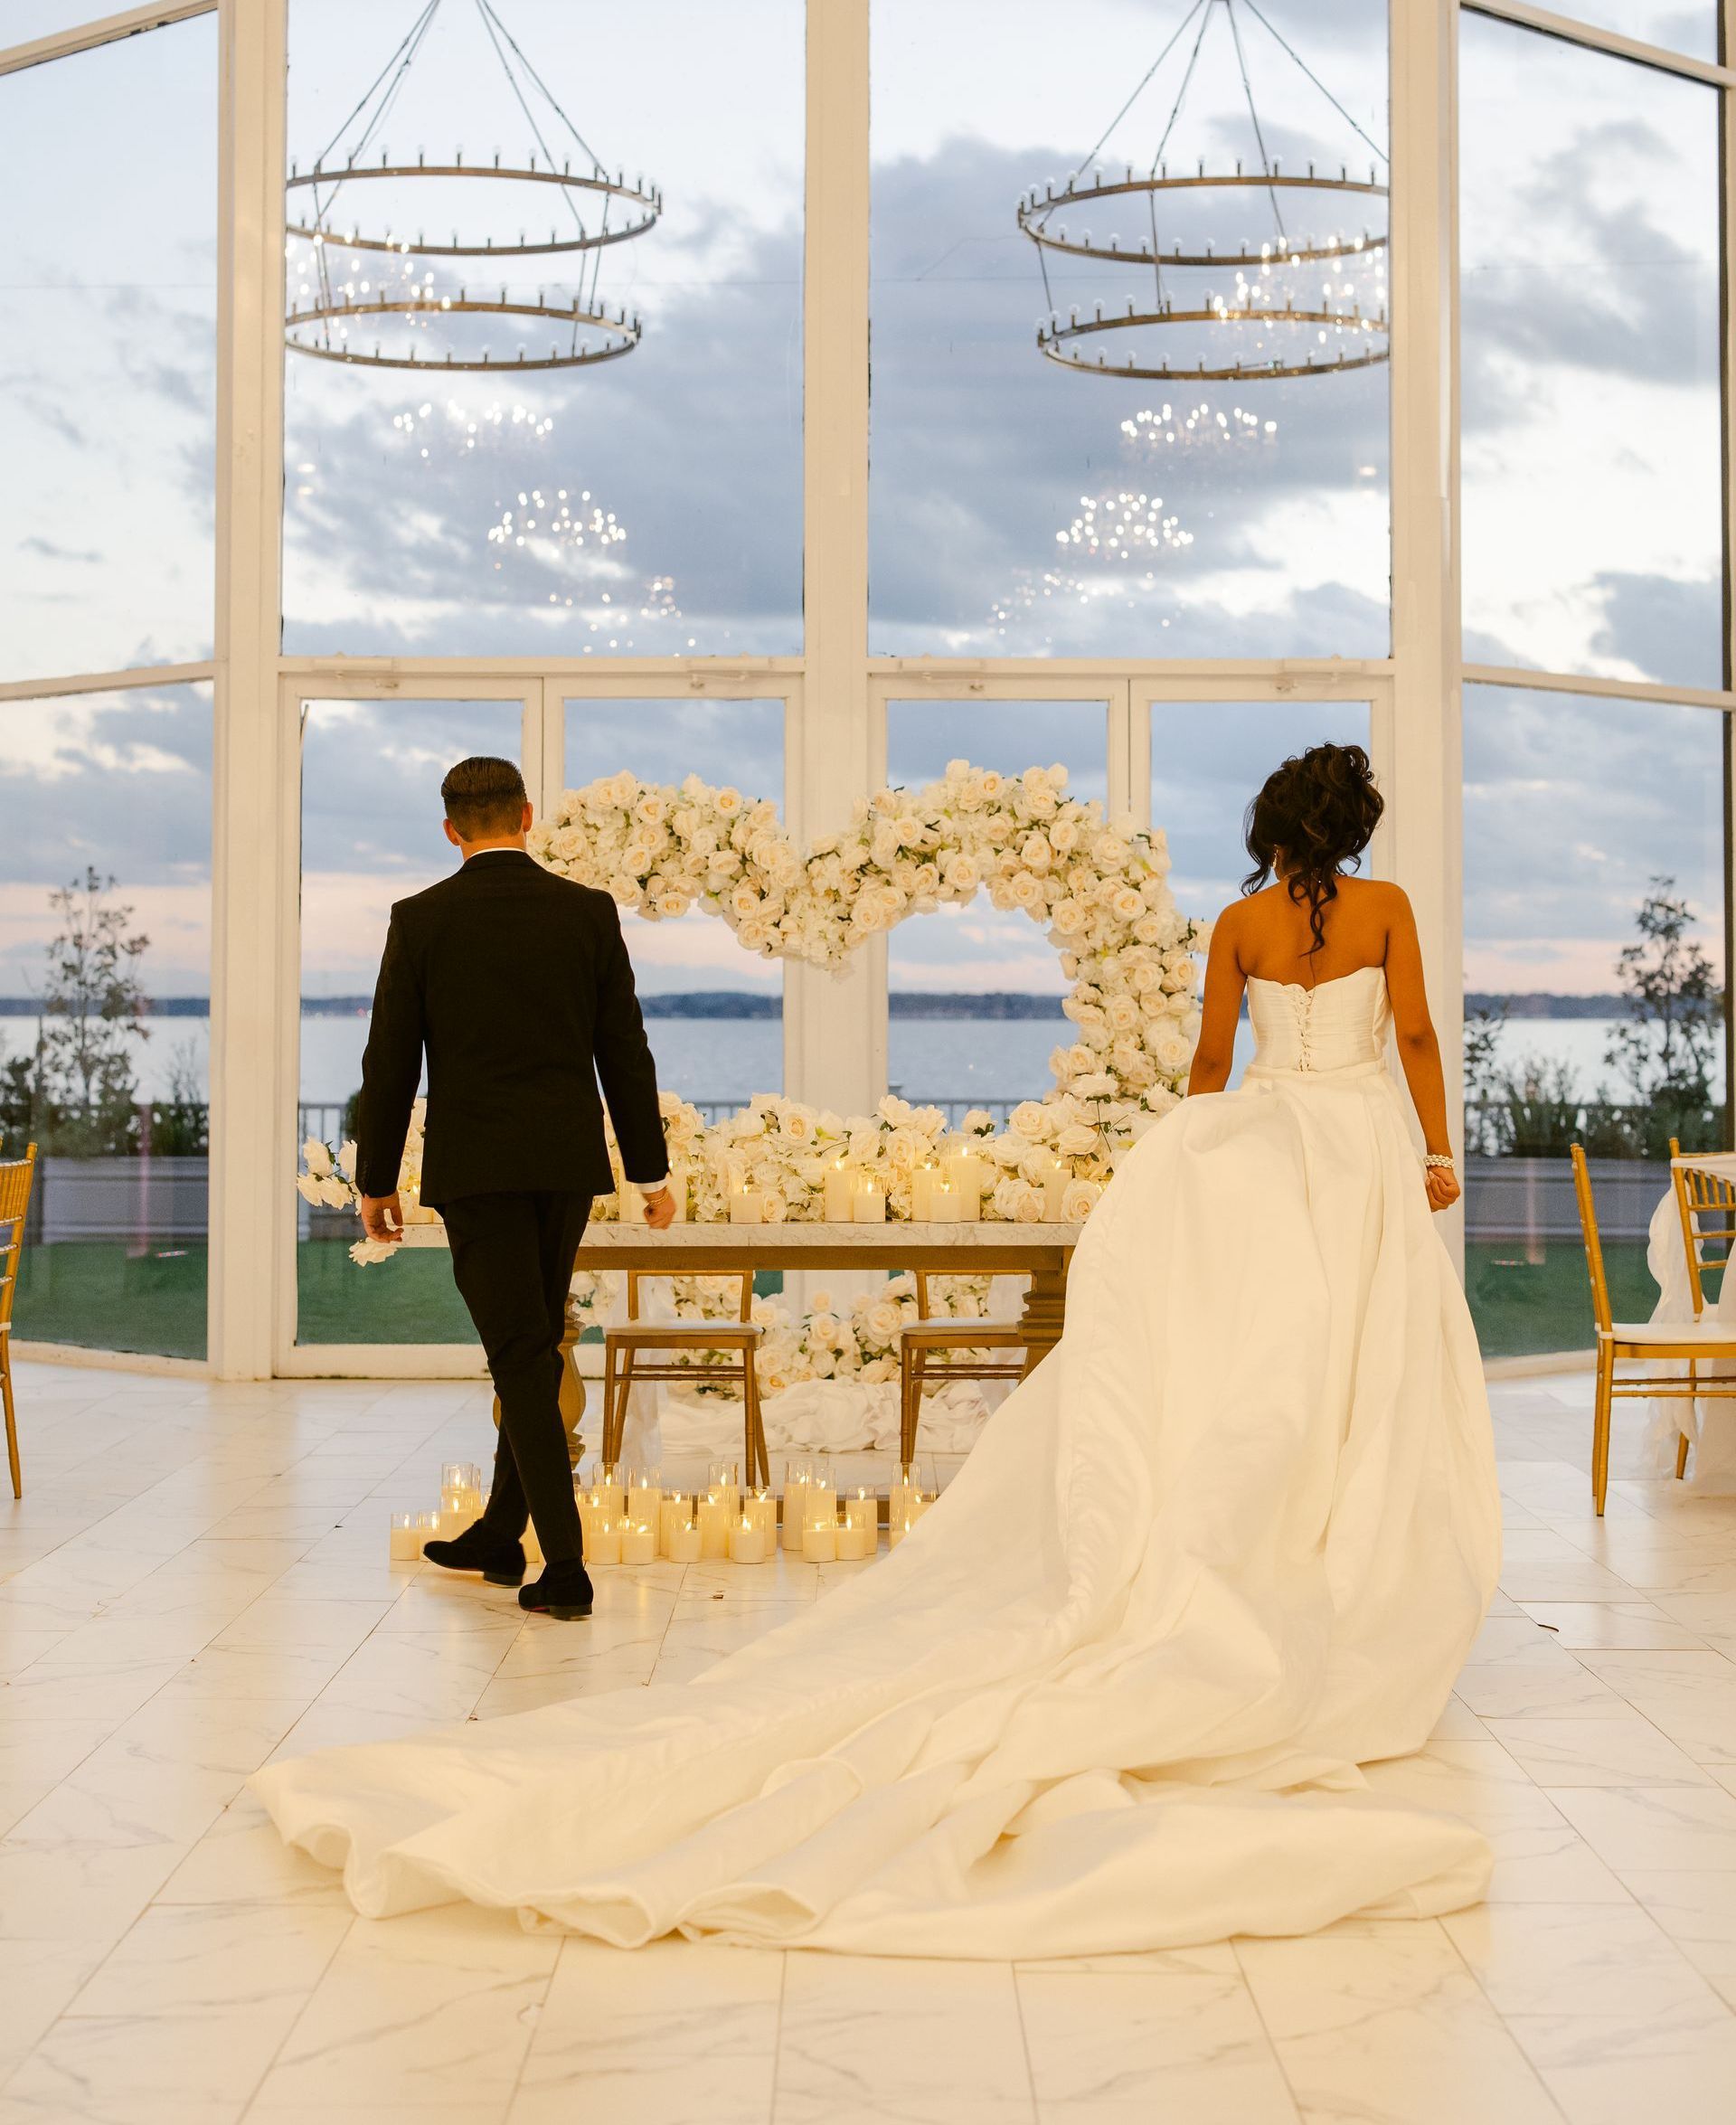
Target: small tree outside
1665	1048
84	1089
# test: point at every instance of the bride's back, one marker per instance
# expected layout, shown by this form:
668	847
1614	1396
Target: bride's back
1273	935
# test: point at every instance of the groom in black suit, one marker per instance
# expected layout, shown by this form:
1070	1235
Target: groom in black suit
517	984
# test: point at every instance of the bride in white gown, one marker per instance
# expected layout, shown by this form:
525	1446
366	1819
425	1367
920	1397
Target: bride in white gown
1228	1542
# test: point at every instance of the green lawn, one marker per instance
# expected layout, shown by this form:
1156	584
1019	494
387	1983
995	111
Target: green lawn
1521	1307
107	1295
104	1294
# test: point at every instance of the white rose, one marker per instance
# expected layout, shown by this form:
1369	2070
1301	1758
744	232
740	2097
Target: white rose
1096	1084
334	1192
727	802
1123	1013
672	906
346	1158
1160	1099
1075	1140
1127	904
1078	1199
1171	1051
1030	1120
885	1320
962	875
1018	1201
316	1158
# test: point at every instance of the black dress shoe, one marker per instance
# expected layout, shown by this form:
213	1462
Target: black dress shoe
563	1591
501	1563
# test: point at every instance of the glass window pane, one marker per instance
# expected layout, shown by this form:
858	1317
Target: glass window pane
21	21
648	506
106	421
1021	508
713	1011
975	991
1583	818
105	1011
1208	761
371	834
1588	247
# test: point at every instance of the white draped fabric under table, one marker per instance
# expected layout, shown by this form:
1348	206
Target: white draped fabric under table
1709	1425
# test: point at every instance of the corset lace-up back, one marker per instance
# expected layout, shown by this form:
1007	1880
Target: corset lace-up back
1337	1024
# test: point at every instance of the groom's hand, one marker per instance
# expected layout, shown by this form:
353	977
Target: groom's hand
660	1209
382	1217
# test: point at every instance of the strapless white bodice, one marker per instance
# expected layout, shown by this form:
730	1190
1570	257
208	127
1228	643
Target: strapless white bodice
1335	1026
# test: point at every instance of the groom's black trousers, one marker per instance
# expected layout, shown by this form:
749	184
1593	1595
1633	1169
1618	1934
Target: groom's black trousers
512	1261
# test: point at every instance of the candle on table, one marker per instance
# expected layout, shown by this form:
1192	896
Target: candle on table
1054	1182
638	1545
964	1172
629	1205
747	1206
603	1545
406	1539
943	1203
840	1193
748	1543
714	1518
868	1206
819	1539
677	1186
922	1187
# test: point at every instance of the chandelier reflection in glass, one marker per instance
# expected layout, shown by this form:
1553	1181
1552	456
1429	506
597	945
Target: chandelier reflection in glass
593	211
1299	306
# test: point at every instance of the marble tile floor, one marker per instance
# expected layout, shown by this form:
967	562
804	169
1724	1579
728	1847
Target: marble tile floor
196	1582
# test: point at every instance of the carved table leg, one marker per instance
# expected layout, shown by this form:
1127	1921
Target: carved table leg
1045	1312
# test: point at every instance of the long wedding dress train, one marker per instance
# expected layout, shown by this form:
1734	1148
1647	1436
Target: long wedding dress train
1230	1542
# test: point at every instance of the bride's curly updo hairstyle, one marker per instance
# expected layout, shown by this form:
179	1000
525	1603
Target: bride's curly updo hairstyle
1318	812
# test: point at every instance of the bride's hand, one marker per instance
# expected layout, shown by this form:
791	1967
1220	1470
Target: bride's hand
1442	1184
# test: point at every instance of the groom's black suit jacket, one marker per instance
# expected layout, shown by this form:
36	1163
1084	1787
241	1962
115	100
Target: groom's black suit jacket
518	985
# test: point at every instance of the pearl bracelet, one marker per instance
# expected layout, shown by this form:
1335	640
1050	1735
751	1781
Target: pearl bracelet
1438	1158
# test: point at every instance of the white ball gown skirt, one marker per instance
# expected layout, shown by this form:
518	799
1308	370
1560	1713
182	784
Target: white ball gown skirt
1231	1540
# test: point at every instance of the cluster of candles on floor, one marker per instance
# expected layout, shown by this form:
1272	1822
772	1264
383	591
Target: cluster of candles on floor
629	1518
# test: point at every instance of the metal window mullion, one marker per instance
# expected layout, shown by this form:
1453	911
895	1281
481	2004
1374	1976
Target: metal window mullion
1569	30
108	29
835	1025
252	1050
1425	793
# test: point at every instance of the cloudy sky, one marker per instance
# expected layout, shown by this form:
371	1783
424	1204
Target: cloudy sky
1591	449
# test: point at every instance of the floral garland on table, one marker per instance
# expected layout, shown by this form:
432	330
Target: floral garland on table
1103	893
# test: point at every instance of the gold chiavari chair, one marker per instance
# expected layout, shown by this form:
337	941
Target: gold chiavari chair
15	1179
923	1360
623	1366
1694	1343
1707	1204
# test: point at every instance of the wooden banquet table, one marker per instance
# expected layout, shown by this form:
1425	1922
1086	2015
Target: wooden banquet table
994	1248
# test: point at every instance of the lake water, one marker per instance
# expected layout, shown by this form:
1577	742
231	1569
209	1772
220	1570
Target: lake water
729	1059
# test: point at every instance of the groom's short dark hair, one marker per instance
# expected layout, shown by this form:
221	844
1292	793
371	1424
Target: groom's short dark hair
483	796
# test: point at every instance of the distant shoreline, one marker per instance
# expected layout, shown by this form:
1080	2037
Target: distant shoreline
902	1004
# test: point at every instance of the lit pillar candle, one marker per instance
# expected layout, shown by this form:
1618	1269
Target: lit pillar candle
677	1186
681	1543
747	1207
1054	1183
964	1172
923	1181
644	1494
819	1538
761	1508
603	1545
629	1205
840	1193
638	1544
943	1203
868	1205
406	1539
676	1510
796	1476
714	1516
859	1537
610	1492
724	1479
748	1543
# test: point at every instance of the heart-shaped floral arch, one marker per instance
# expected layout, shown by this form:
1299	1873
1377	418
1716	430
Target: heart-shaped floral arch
1101	892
